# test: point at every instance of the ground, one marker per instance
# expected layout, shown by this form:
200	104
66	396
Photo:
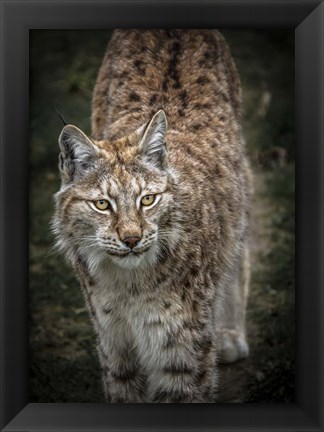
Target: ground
63	361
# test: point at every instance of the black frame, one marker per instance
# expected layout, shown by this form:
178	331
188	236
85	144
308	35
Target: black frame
17	17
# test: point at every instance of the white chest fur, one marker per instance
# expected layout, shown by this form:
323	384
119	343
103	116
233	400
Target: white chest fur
131	314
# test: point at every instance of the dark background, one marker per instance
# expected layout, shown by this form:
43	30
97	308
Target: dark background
63	362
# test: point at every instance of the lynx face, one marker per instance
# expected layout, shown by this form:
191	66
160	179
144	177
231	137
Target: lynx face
115	197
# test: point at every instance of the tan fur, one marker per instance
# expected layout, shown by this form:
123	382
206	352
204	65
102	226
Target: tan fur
159	315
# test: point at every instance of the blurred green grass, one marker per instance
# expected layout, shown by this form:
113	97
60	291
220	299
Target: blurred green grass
63	69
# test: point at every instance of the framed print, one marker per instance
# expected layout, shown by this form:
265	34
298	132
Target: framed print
37	39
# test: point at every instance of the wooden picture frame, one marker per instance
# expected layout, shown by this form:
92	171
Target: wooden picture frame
17	18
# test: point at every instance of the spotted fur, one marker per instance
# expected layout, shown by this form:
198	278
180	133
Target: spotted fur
165	121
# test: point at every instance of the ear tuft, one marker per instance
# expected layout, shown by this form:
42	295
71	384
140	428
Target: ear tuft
78	153
153	145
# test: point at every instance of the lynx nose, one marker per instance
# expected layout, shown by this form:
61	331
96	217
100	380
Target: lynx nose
131	241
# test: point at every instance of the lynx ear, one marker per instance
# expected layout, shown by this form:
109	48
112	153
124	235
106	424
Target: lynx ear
152	144
78	153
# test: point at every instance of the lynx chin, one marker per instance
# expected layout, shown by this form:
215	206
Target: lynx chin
152	214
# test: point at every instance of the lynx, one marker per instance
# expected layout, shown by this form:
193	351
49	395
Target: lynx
153	211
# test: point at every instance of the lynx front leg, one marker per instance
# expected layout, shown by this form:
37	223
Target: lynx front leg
180	360
233	332
123	380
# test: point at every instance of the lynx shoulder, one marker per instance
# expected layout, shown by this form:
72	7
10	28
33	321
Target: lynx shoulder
153	214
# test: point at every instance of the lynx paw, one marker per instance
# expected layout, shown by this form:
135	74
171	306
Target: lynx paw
234	346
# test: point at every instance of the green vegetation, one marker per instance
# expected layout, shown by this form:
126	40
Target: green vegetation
63	362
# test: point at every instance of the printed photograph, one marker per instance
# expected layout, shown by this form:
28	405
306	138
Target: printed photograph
162	223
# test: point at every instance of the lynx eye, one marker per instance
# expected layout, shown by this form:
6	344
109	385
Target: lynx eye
147	200
101	204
